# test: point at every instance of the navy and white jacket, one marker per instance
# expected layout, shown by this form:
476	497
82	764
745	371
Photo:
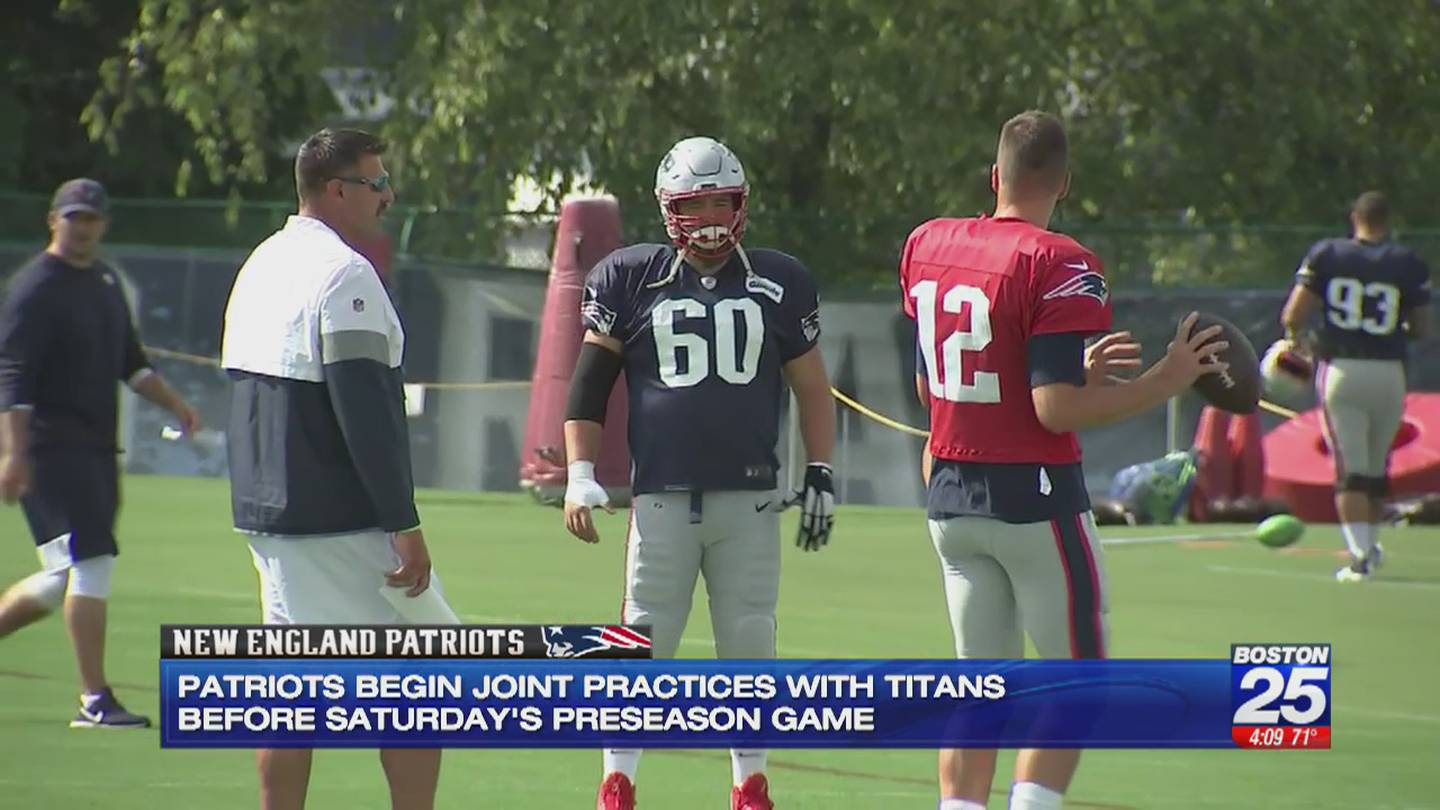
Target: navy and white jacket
318	442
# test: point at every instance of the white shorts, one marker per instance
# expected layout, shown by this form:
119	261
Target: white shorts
335	579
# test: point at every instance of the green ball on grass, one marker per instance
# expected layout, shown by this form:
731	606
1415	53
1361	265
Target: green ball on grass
1279	531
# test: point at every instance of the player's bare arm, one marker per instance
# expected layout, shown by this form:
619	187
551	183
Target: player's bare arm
807	377
14	454
1111	359
414	571
595	374
922	393
1302	304
156	390
1064	408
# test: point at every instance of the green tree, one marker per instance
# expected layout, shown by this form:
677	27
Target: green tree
54	97
857	119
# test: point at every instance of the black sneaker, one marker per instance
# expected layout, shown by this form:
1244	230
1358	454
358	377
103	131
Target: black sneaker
104	711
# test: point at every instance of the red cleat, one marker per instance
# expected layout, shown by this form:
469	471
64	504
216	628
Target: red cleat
616	793
753	795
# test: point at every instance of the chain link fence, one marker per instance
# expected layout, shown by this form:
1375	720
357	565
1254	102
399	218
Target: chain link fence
472	300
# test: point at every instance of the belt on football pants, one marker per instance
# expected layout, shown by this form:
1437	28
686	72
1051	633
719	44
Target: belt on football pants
697	504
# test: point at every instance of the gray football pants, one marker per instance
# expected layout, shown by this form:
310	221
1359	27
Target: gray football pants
736	546
1364	401
1003	580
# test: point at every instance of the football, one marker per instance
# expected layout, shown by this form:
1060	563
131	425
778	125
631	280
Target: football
1237	390
1278	531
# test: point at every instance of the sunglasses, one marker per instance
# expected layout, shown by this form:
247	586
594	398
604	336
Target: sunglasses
377	185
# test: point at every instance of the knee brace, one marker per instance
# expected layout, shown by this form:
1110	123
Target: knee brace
91	577
1379	486
1354	483
46	587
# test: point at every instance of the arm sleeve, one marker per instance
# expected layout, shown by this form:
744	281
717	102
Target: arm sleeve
137	364
1071	295
366	393
1311	273
1057	358
799	328
595	373
906	302
24	332
604	304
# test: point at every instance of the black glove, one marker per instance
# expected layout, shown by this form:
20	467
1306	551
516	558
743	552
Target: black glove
816	500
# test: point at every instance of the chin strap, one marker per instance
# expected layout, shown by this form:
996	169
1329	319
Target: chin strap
683	254
672	274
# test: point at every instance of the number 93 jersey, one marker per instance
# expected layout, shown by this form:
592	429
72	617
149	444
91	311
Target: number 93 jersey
1367	290
703	359
979	289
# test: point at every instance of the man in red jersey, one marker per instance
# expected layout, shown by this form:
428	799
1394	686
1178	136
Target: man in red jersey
1003	308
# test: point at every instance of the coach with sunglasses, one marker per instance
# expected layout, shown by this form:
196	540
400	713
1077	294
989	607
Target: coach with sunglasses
319	451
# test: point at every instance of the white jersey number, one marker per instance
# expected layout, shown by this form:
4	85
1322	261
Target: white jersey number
947	379
735	363
1346	298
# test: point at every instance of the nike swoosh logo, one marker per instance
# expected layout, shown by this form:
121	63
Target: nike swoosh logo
761	507
1077	265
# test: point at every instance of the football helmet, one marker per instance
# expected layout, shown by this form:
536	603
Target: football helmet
697	167
1288	371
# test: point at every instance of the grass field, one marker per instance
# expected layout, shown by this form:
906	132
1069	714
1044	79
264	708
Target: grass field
874	592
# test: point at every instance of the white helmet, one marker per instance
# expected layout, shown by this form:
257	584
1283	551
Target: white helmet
1287	371
692	168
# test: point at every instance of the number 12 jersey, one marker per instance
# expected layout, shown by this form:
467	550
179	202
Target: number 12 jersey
979	289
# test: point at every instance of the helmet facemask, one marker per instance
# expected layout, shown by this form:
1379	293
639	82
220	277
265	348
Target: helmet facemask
705	235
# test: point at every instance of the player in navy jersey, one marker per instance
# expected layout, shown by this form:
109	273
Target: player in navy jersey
1371	294
1003	308
708	335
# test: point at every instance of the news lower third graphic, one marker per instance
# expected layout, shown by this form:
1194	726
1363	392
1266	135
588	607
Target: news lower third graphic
571	686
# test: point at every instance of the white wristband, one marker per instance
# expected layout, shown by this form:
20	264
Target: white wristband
581	471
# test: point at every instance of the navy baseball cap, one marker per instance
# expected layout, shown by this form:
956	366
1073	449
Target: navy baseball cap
81	194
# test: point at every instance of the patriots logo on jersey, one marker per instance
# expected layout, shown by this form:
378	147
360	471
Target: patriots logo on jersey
1090	284
595	314
578	641
810	326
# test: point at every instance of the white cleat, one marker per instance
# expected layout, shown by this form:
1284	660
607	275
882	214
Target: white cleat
1348	574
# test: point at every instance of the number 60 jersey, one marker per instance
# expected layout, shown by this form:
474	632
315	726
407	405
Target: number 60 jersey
979	291
703	358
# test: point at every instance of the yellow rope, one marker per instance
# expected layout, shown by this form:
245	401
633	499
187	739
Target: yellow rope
214	362
1279	410
877	416
199	360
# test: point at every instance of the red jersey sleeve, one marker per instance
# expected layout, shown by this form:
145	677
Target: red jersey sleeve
906	302
1071	295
